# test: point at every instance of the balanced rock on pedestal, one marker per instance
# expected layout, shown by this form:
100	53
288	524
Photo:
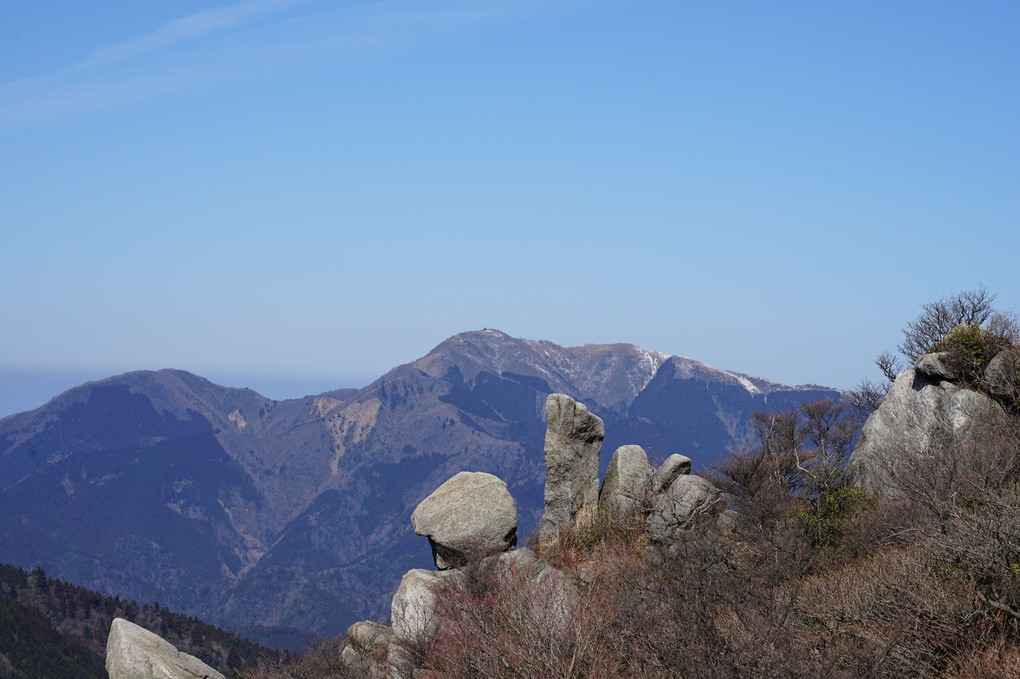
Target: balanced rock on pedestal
573	439
472	514
133	652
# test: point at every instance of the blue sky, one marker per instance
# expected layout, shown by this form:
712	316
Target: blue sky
294	195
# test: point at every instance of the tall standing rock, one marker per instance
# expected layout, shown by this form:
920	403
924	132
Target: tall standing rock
573	439
136	653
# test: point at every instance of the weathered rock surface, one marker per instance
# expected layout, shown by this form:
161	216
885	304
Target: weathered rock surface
922	417
550	588
573	440
673	466
686	499
1001	375
136	653
627	484
366	647
937	365
472	513
412	612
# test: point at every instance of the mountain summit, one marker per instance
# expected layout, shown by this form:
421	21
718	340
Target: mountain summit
257	513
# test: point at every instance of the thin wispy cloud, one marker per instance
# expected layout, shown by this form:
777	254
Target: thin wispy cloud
89	84
191	27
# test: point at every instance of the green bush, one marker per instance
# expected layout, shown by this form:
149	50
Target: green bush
971	348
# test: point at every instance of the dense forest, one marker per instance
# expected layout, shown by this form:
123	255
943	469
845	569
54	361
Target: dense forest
51	629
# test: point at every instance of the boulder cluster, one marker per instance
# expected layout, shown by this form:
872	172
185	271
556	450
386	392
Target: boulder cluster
472	516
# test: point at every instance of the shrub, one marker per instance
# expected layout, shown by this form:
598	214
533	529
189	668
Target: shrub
970	349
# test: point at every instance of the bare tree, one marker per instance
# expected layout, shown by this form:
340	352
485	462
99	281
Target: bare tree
970	307
865	399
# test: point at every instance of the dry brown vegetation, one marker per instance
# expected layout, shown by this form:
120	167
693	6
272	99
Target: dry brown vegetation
814	577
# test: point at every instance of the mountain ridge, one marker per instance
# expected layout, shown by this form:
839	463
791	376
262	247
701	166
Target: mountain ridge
249	511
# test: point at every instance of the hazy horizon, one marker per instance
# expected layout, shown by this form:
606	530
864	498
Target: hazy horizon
287	189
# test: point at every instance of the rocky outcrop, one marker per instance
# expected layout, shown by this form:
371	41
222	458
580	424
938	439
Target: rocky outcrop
573	440
471	514
938	366
673	466
627	484
687	499
670	499
925	415
136	653
1002	376
366	647
412	613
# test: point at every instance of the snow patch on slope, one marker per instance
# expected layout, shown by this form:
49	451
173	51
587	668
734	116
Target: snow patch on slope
688	368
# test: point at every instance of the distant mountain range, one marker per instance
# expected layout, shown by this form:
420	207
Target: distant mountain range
256	514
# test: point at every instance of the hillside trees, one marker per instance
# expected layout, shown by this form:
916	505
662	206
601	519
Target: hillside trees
54	624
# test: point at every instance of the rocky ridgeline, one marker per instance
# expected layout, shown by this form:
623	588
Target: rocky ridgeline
471	516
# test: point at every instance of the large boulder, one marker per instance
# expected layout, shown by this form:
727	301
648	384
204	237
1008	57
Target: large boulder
687	499
136	653
573	440
923	418
627	484
472	514
673	466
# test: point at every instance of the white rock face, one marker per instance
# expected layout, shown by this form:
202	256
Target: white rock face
136	653
573	440
922	417
472	513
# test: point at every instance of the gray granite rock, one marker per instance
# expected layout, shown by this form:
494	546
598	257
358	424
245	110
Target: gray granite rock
688	498
627	484
936	366
133	652
413	611
673	466
366	647
573	440
472	514
1002	376
922	418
